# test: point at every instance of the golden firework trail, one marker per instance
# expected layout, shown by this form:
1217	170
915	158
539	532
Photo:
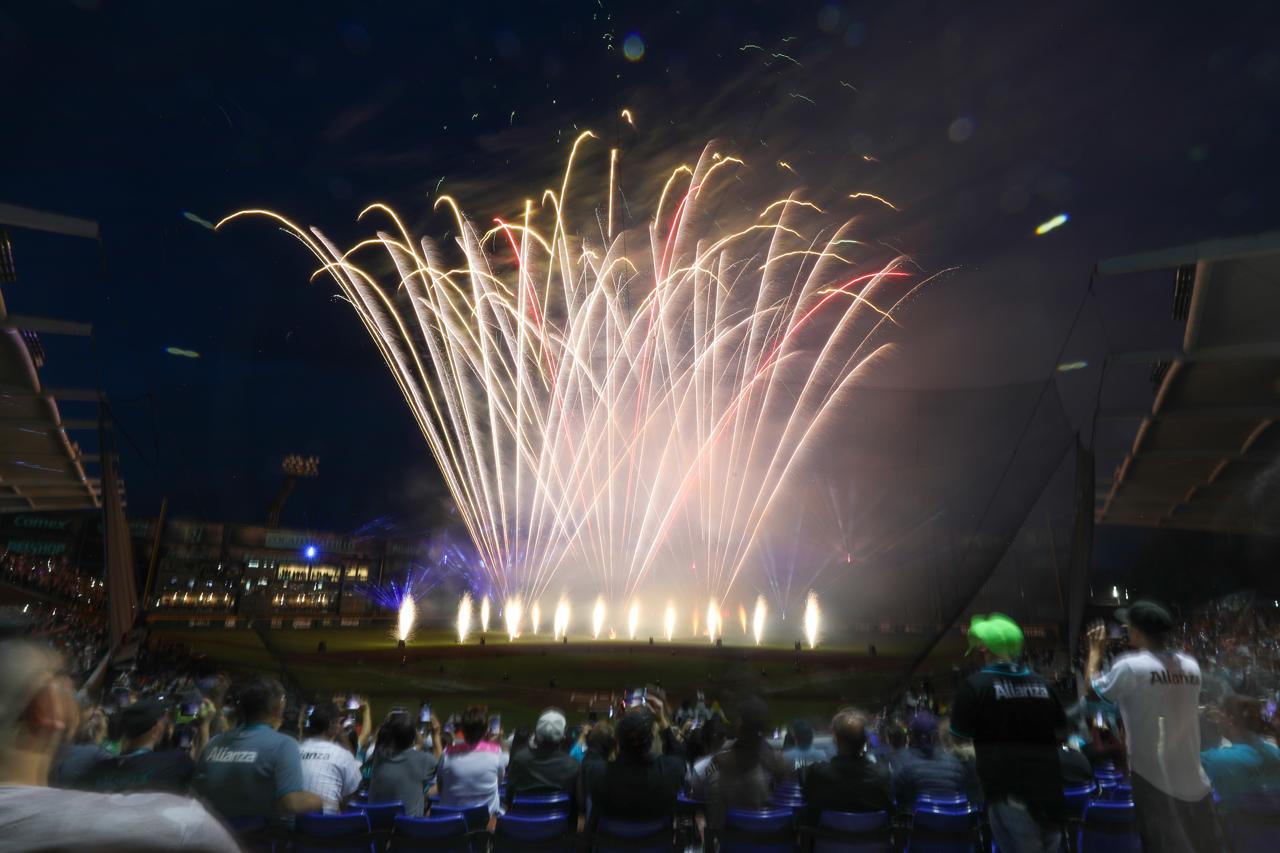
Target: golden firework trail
606	407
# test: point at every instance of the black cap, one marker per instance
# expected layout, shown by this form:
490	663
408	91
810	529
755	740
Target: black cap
1147	616
138	719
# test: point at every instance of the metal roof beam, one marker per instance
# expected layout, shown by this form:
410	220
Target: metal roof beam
1179	256
39	220
46	326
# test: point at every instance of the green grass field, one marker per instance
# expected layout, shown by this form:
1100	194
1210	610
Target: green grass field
519	678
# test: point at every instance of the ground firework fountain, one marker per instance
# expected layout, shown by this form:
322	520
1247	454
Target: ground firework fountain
605	409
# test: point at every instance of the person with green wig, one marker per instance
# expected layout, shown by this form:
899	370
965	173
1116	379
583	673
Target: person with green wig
1016	723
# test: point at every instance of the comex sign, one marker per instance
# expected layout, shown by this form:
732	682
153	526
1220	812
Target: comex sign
297	541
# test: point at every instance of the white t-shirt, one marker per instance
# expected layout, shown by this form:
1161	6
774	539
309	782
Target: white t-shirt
1158	696
329	771
46	819
469	775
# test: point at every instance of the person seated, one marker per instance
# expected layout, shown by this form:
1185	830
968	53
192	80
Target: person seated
743	775
639	784
851	781
401	773
925	768
472	767
329	767
804	752
1247	764
75	760
545	767
38	710
254	770
145	763
697	779
601	748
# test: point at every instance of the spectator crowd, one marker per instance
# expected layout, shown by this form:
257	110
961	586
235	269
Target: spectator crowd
173	755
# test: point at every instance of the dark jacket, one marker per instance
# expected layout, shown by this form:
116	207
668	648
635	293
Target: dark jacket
541	770
732	784
934	771
846	783
631	789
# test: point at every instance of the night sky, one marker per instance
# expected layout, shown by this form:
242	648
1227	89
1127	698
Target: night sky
1150	124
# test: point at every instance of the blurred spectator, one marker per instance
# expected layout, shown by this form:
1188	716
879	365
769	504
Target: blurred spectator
926	768
254	770
851	781
1247	764
1158	692
640	784
1016	723
76	760
601	747
472	767
545	767
713	736
400	772
147	760
744	774
804	752
329	768
37	710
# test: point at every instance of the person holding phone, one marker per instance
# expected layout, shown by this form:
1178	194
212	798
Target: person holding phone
1157	689
145	763
329	770
471	768
402	773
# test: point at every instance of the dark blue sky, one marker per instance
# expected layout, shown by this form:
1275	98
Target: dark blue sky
1152	126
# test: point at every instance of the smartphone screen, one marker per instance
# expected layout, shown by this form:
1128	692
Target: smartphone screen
424	715
635	697
352	703
189	709
495	724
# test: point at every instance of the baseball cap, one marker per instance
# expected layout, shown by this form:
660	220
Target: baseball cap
997	633
1147	616
141	716
550	727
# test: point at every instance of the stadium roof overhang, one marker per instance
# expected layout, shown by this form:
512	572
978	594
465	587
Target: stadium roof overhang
41	468
1214	425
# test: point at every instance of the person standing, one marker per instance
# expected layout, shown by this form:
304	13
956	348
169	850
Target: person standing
1016	722
1158	692
329	768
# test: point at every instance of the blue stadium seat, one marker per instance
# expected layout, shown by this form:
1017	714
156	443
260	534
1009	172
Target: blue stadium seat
545	832
939	828
446	833
758	831
633	836
1109	826
254	833
950	799
382	816
1077	797
541	803
477	816
852	832
332	833
1254	826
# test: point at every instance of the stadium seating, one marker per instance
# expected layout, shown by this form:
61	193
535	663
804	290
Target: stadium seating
536	804
1109	826
439	833
851	832
254	834
333	833
758	831
549	831
477	816
382	816
633	836
939	828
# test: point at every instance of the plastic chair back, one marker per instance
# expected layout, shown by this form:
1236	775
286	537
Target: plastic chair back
443	832
1109	826
550	831
852	832
633	836
382	816
477	816
254	833
541	803
758	831
1077	797
940	828
348	833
